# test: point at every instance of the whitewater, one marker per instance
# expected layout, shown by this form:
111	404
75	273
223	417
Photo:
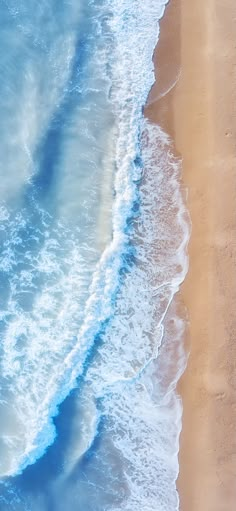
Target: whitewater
93	233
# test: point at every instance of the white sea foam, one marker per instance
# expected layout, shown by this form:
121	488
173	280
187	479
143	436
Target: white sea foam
61	326
136	369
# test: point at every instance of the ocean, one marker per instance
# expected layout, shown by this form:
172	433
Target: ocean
93	233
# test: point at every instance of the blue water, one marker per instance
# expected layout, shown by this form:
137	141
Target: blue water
93	233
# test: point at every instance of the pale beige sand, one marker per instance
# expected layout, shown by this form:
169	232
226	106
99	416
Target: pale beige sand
200	114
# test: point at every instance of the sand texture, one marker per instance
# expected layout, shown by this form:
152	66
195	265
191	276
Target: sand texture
198	40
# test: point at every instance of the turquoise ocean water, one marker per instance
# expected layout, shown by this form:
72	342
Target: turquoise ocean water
93	234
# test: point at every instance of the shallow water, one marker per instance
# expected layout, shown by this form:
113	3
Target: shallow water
93	248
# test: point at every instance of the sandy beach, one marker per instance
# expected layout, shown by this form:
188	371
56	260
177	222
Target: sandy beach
197	53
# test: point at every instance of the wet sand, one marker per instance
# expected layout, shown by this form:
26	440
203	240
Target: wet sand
199	112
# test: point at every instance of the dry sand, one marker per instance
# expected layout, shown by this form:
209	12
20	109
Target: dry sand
199	37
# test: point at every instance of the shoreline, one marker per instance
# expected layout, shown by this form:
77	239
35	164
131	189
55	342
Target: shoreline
199	113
